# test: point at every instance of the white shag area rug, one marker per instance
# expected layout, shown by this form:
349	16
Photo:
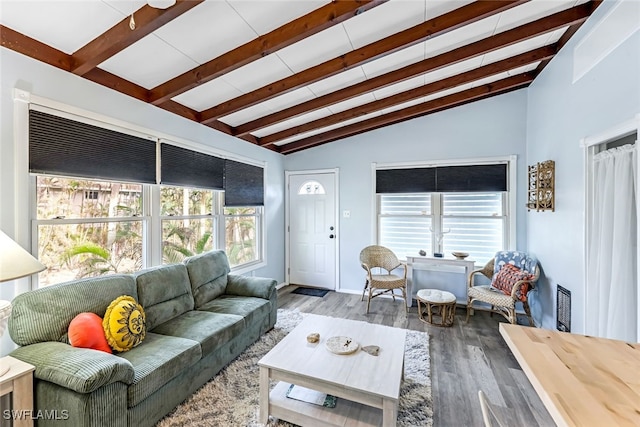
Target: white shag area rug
230	399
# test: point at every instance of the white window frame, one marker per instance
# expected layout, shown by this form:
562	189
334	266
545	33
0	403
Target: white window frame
509	201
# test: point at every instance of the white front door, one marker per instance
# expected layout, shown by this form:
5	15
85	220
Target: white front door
312	229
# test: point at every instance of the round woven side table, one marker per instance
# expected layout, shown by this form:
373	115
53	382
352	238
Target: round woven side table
436	303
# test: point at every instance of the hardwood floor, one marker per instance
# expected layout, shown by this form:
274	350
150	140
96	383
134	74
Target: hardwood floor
465	358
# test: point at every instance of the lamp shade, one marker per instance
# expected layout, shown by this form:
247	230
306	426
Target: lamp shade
15	262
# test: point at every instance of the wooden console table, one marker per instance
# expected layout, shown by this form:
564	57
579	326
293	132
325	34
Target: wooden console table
459	288
19	382
582	380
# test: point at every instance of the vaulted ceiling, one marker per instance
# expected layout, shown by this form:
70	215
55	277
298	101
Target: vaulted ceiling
289	75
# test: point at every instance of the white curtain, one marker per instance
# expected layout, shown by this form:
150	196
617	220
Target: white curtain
612	304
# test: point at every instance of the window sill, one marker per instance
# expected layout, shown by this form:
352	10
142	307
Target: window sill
247	268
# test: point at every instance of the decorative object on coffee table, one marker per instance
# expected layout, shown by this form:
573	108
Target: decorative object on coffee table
342	345
436	303
373	350
313	338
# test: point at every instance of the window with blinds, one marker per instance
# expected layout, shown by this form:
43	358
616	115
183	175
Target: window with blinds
443	222
476	224
405	222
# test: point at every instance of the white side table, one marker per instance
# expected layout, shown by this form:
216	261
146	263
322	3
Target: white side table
19	382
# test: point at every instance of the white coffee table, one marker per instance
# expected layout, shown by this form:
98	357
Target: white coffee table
367	387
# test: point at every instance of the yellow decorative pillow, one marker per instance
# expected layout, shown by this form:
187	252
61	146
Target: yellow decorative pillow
124	323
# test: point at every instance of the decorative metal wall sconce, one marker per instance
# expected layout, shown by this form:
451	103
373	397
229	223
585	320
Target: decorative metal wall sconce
541	191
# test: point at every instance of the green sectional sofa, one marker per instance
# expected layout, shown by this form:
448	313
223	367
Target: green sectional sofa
198	318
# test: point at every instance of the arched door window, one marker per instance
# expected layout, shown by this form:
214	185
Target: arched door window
311	187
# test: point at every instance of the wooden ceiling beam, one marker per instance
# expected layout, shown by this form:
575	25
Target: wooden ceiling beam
431	28
439	104
576	16
320	19
489	70
25	45
120	36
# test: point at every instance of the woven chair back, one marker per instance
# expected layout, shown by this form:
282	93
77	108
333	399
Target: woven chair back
379	256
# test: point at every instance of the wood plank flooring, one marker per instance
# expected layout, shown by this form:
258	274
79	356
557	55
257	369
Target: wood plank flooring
465	358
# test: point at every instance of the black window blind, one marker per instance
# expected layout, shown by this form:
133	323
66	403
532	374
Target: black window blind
184	167
243	184
61	146
443	179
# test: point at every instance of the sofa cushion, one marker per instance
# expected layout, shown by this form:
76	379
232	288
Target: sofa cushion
157	361
85	331
208	275
164	292
45	314
124	323
211	330
247	307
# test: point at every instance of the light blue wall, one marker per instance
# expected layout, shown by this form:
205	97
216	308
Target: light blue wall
488	128
560	113
20	72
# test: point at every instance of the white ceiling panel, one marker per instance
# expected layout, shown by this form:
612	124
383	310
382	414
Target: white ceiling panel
246	115
214	28
456	38
555	35
296	121
327	128
394	61
454	69
530	11
403	86
515	49
289	99
490	79
351	103
149	62
523	69
440	7
127	7
384	20
207	95
258	73
448	92
403	105
338	81
314	50
265	16
64	25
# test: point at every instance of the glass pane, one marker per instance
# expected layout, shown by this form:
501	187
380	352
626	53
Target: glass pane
472	204
180	201
182	238
75	198
480	237
241	243
72	251
405	204
240	211
405	235
311	187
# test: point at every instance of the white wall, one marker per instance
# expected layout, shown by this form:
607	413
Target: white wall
488	128
21	72
560	113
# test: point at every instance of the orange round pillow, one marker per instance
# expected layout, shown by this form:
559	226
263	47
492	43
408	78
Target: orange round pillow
86	331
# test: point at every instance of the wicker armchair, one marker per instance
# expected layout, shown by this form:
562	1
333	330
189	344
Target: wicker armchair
380	257
501	303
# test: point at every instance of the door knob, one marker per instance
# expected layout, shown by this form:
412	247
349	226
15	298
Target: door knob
331	236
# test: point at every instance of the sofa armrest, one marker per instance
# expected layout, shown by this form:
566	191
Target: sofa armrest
259	287
79	369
